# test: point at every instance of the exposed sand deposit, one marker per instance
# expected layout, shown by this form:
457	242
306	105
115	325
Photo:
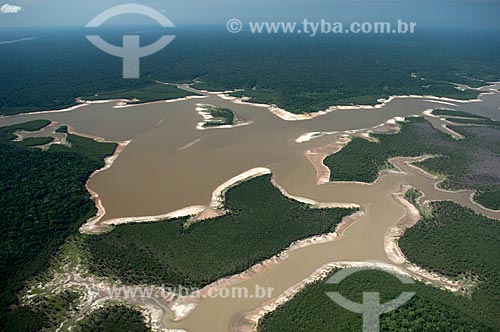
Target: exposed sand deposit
125	103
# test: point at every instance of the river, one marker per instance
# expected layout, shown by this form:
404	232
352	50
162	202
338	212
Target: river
170	165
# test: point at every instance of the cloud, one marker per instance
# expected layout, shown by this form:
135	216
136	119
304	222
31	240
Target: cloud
10	9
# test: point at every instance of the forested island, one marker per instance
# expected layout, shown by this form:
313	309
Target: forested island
113	318
219	117
468	163
296	73
260	223
43	201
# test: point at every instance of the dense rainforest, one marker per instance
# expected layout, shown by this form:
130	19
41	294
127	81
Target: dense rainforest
430	310
261	222
298	73
43	201
457	242
452	240
469	163
113	318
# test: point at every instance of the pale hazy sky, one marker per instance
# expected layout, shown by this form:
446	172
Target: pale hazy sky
448	13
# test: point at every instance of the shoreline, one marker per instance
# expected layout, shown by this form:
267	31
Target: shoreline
215	208
447	120
279	112
323	172
422	201
396	255
89	225
317	156
274	109
480	206
289	116
183	309
68	109
95	226
313	203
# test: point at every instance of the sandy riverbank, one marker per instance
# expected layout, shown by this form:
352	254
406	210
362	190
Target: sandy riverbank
317	156
390	126
311	202
124	103
91	225
196	212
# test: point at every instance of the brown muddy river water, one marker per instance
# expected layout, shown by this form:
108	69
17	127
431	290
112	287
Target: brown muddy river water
170	165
